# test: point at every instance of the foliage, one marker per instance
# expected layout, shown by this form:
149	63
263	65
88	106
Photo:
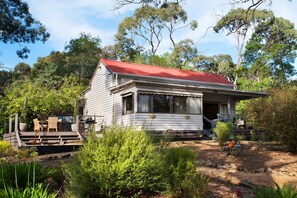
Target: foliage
26	153
43	96
21	70
271	51
147	27
124	162
5	148
184	180
183	53
83	55
223	131
238	22
268	114
287	191
218	64
36	191
21	175
18	26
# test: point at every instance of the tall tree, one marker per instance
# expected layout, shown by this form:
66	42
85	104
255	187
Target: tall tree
218	64
273	46
21	70
183	53
148	24
238	22
83	55
18	26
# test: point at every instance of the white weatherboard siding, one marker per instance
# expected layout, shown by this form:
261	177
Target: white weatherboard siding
169	121
119	118
99	99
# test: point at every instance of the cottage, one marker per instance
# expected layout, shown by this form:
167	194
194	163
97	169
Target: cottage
159	98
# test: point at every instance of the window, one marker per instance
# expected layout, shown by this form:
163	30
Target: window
194	105
128	104
158	103
144	103
161	103
179	104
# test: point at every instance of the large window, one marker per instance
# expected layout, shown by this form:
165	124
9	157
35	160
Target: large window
159	103
128	104
179	104
144	103
194	105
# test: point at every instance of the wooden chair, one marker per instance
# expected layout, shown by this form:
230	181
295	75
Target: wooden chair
52	123
37	126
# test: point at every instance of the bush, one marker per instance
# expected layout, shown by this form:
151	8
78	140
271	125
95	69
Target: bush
126	163
5	148
276	115
223	130
287	191
123	163
184	180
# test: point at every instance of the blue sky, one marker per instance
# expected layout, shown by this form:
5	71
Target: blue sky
65	19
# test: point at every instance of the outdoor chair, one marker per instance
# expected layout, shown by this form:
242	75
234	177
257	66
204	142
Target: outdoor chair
37	126
52	123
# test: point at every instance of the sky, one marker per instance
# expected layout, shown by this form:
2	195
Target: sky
66	19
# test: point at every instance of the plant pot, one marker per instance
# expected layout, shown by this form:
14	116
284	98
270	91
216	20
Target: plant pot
74	127
23	126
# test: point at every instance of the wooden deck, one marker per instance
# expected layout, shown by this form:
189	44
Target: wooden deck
46	142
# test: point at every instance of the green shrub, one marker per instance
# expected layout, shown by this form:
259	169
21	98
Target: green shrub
26	153
223	131
183	179
36	191
22	175
5	148
123	163
276	115
287	191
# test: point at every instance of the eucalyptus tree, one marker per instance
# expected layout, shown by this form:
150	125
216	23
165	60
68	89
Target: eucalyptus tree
218	64
83	55
271	51
183	53
148	26
239	22
18	26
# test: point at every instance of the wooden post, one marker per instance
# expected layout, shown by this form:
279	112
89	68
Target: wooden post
10	125
229	108
77	122
16	123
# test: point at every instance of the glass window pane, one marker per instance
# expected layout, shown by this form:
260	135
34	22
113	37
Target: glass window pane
128	104
161	104
144	103
179	104
194	105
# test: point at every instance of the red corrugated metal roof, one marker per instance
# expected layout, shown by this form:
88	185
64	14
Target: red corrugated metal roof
162	72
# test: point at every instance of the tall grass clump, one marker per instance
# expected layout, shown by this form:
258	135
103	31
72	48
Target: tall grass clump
21	175
287	191
223	131
183	179
24	180
36	191
123	163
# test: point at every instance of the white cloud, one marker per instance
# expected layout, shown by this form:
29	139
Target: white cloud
65	19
